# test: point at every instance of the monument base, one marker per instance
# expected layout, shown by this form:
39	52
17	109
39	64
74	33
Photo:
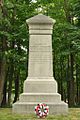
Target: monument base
40	90
29	108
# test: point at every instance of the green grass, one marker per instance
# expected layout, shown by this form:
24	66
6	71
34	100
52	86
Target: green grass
6	114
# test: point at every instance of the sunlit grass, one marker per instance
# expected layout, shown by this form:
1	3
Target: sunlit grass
6	114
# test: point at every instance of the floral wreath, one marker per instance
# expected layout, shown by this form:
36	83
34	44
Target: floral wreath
41	110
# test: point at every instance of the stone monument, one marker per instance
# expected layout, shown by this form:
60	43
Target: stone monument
40	86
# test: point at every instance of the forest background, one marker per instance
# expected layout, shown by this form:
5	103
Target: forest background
14	47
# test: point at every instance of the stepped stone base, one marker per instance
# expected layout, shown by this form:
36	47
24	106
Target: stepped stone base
29	107
40	97
40	91
40	85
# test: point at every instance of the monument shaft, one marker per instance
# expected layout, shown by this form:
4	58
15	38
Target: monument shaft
40	56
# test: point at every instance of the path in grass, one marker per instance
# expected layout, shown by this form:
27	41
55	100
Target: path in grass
6	114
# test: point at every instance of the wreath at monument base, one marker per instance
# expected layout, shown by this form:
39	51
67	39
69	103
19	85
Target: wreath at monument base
41	110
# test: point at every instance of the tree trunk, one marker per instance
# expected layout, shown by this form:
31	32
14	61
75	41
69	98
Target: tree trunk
77	84
17	86
71	94
61	77
11	72
5	97
79	96
71	82
68	79
4	101
2	77
17	77
2	54
2	68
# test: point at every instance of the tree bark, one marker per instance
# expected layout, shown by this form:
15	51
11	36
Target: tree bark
71	94
2	78
17	86
11	72
71	82
77	84
2	54
4	101
61	77
68	79
2	69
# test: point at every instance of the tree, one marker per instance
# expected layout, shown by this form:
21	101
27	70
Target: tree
3	44
14	33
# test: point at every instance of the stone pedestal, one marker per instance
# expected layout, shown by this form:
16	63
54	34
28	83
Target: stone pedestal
40	86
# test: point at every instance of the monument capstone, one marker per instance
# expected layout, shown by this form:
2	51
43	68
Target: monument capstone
40	85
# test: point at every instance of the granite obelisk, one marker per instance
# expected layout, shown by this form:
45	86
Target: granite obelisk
40	85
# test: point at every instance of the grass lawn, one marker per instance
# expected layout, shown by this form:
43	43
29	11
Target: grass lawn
6	114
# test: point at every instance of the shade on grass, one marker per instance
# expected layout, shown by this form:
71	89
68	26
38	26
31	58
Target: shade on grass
6	114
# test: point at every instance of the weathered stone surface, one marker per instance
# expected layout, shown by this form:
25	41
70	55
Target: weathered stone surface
40	86
28	107
45	85
39	97
40	19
